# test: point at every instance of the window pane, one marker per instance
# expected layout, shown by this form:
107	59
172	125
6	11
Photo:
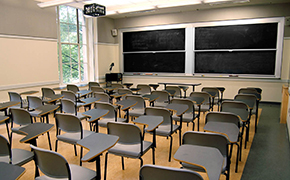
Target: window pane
74	54
63	32
66	73
75	73
72	16
65	52
63	14
73	35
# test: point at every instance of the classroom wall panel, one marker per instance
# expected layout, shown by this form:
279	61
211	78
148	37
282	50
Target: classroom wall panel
27	62
25	18
107	54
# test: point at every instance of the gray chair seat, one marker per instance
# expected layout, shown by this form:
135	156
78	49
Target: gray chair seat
103	122
187	117
203	108
130	150
160	104
164	130
72	138
137	112
200	169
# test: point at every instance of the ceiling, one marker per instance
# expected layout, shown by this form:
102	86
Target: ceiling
129	8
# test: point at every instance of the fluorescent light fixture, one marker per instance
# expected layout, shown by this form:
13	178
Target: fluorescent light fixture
54	3
134	9
216	1
182	3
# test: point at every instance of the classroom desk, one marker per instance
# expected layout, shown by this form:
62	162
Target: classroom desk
135	90
179	109
5	105
198	101
10	171
5	119
230	130
89	101
152	122
154	86
151	98
181	84
95	115
44	111
184	88
171	92
83	93
34	130
52	98
126	105
128	85
209	158
97	143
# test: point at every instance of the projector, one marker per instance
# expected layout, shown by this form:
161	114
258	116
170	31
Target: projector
94	9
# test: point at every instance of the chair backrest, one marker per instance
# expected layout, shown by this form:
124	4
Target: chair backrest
156	111
52	164
20	116
226	117
34	102
46	92
213	91
124	91
176	89
250	91
68	123
97	89
5	150
69	95
154	172
202	94
105	105
68	106
187	102
140	101
144	89
215	140
91	84
246	98
103	96
72	87
163	96
128	133
237	107
14	96
259	90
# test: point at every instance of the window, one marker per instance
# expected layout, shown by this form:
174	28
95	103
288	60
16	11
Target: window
72	45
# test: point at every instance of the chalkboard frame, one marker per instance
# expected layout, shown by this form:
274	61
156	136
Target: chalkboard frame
190	49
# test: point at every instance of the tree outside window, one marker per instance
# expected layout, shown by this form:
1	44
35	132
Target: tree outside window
72	45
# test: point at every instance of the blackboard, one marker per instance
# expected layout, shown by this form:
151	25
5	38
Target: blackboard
171	62
249	62
155	40
250	36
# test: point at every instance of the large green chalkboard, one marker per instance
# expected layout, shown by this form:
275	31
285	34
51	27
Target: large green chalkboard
250	36
171	62
248	62
157	40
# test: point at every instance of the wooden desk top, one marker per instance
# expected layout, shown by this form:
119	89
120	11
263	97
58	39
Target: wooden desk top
8	104
52	98
151	121
97	143
230	130
150	97
90	100
182	84
3	119
34	130
95	114
208	158
10	171
197	100
45	109
179	109
126	104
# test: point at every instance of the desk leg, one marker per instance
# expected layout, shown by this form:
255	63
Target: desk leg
154	138
98	168
257	112
180	126
127	114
